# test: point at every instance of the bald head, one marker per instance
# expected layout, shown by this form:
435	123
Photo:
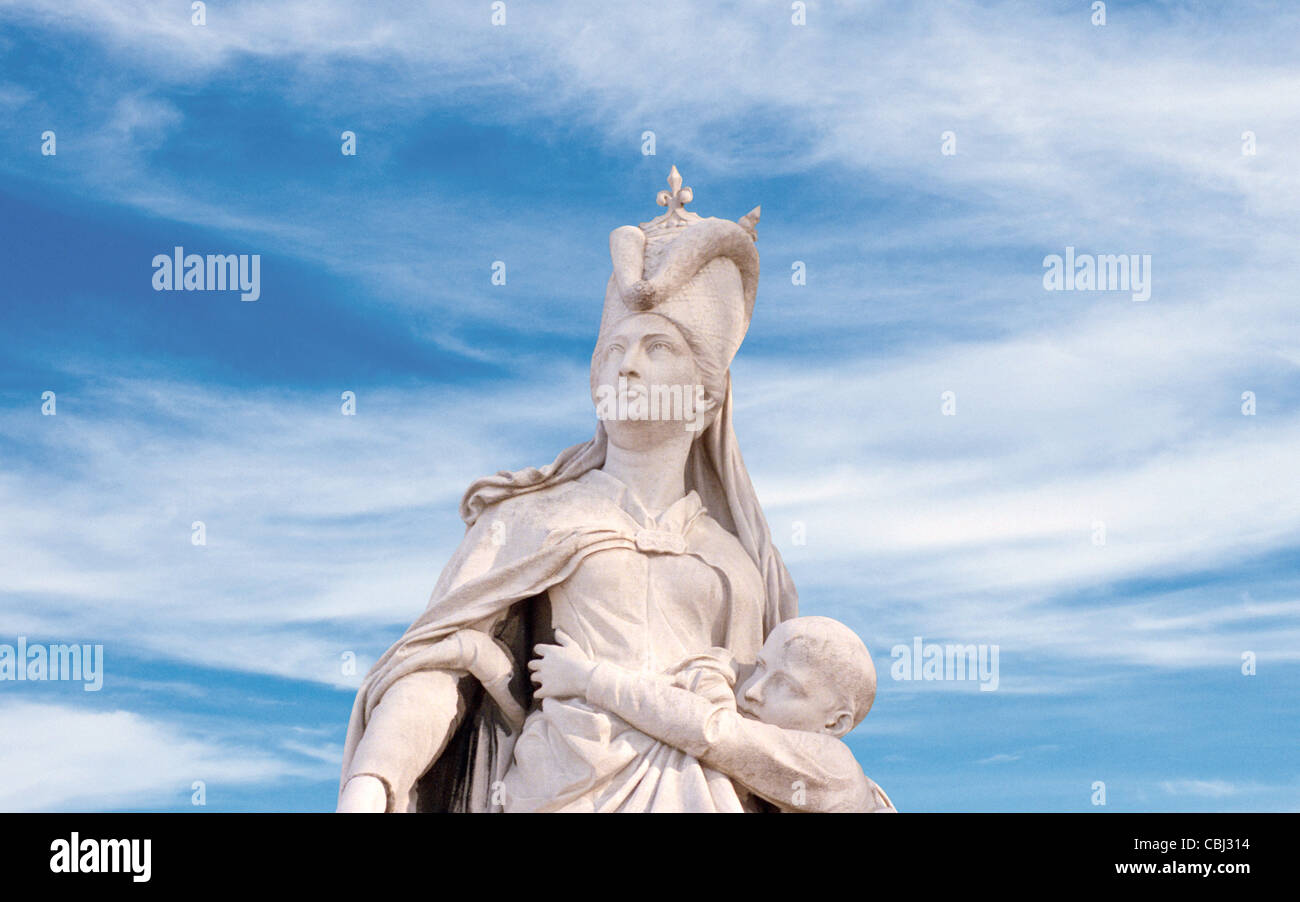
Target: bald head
836	653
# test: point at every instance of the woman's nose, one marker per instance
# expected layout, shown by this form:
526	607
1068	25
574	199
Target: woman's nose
752	693
630	365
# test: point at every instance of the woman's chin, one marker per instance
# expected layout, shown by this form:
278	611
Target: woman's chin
643	435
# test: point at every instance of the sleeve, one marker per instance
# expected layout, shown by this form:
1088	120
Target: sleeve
879	802
655	706
414	698
792	769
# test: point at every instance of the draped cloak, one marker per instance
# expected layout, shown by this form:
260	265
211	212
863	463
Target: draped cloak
519	542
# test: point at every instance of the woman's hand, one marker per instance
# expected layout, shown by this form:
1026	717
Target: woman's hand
561	671
364	793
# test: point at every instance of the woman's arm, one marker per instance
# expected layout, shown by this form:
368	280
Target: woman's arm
405	734
410	726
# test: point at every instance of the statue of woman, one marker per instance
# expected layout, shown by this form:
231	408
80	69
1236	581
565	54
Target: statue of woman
645	545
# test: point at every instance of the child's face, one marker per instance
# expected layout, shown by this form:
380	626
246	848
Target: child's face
787	690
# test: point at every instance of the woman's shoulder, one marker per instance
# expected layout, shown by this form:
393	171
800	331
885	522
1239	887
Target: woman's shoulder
545	508
713	538
713	532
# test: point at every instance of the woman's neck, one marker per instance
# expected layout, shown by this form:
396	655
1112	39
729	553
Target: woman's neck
656	475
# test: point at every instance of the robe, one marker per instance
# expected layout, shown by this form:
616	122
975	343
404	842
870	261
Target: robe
655	589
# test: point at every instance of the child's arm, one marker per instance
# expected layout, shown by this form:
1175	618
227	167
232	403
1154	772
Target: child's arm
794	770
650	702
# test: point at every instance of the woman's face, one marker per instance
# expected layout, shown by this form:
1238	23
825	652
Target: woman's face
646	380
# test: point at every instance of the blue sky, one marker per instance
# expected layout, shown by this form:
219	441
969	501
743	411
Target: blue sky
1119	663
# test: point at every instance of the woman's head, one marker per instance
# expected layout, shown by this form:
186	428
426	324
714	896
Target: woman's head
699	274
693	306
651	379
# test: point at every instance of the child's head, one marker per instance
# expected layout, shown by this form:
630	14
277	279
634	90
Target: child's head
814	674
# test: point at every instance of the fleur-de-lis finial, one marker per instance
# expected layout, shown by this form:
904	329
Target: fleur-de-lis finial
677	198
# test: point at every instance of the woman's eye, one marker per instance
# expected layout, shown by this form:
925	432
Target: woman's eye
661	345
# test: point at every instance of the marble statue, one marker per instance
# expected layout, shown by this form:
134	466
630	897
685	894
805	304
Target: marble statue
645	555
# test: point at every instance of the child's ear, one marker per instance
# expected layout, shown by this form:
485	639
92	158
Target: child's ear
841	725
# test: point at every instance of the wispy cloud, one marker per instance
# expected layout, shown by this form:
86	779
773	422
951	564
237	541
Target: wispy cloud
48	762
1206	789
283	484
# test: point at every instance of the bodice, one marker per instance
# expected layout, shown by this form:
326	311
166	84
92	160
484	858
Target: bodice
648	607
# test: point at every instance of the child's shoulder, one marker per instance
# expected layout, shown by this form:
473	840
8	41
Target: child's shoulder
838	759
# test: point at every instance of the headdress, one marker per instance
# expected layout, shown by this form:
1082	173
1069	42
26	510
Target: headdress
700	273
